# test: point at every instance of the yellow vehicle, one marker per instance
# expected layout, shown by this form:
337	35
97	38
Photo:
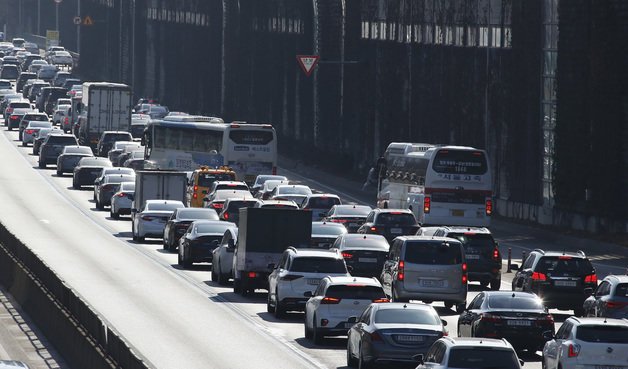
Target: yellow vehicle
202	179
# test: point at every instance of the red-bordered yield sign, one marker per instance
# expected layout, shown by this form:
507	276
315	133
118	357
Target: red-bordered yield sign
307	62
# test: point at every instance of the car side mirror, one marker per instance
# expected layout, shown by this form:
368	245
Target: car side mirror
308	294
514	266
353	319
548	335
444	322
588	291
419	359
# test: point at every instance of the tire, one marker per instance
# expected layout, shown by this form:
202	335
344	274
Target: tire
114	215
24	144
237	286
460	307
317	335
99	206
59	173
42	164
449	304
76	186
351	361
271	309
496	284
220	278
179	259
165	246
280	311
362	364
187	263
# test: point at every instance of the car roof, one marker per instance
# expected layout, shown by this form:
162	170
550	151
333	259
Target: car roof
404	211
344	280
458	229
373	241
573	254
428	238
617	278
599	321
332	254
475	342
163	201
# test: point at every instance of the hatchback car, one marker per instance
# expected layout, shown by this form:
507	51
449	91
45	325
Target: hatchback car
351	216
390	223
392	333
122	200
335	301
319	204
427	269
150	222
364	253
519	317
484	261
610	298
300	271
108	138
231	209
199	241
70	156
559	278
325	234
463	352
52	147
87	170
588	343
179	222
31	131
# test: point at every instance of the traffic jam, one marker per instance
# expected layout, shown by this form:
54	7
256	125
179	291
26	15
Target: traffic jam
209	191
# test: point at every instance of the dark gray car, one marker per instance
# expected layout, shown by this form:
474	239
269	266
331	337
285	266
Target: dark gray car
52	146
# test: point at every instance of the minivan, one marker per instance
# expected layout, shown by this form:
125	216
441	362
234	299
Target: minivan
427	269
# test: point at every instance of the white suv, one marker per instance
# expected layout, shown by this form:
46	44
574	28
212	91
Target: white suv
588	343
337	299
297	274
470	352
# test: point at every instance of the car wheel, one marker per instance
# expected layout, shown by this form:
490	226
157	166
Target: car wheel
460	307
114	215
187	262
317	335
351	361
10	128
76	186
59	173
362	364
280	311
179	259
220	278
237	286
165	245
271	309
496	284
42	164
449	304
99	206
24	143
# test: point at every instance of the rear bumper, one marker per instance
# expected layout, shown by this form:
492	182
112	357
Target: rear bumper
455	296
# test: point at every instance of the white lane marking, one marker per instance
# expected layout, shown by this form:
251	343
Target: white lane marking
45	221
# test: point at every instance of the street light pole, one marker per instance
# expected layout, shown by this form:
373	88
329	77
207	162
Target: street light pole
57	21
78	29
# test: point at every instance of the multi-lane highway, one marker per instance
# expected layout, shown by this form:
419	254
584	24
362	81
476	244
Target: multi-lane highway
179	318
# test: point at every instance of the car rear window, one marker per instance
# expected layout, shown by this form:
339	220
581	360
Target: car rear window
196	214
395	218
118	137
119	179
353	211
482	358
62	140
289	190
323	202
333	229
162	206
318	265
517	302
358	292
564	265
213	228
474	240
206	179
602	334
232	187
406	316
433	253
621	290
20	105
96	162
235	205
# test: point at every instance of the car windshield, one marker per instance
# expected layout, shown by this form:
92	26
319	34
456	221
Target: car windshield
516	302
602	334
395	218
361	211
206	179
318	265
475	241
564	265
323	202
406	316
294	190
433	253
213	228
355	291
331	229
486	358
162	206
197	214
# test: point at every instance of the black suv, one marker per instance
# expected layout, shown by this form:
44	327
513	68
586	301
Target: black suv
559	278
484	261
390	223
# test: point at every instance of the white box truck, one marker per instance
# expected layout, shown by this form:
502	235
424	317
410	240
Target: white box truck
105	106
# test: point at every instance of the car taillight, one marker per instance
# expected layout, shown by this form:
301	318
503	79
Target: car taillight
574	350
338	221
375	337
330	300
14	116
148	218
376	229
226	215
489	207
195	196
539	276
67	120
616	304
545	319
464	273
591	278
274	171
400	271
252	274
30	131
426	205
290	277
122	195
383	299
490	317
217	206
107	188
346	255
495	254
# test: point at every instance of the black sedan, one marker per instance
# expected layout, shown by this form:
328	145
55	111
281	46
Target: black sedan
519	317
351	216
179	222
200	239
87	170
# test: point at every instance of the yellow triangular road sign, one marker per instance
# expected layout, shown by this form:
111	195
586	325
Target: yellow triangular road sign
88	21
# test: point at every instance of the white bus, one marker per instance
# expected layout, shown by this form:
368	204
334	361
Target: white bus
187	142
442	185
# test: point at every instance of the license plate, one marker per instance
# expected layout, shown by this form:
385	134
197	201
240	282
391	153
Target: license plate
431	283
313	281
367	260
408	338
396	230
472	256
457	213
565	283
519	323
